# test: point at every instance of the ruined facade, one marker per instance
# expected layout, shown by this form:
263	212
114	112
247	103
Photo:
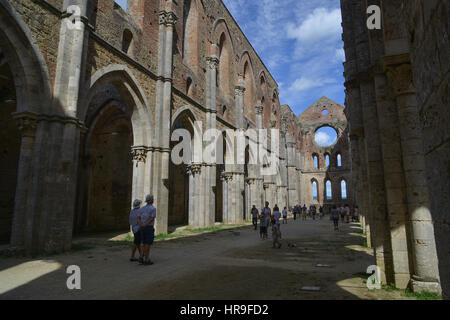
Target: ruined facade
91	96
397	103
325	169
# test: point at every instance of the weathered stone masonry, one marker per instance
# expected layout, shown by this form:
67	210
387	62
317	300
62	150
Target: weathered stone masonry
397	103
97	92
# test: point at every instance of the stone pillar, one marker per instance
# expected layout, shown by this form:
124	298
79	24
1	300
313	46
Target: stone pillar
196	214
375	175
394	180
23	219
211	115
425	273
161	155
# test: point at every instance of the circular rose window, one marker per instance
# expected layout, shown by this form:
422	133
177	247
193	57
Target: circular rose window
326	136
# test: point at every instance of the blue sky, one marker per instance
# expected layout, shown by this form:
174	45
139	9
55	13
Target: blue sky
300	43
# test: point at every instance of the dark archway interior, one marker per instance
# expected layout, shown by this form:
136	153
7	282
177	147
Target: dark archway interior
179	181
9	150
110	171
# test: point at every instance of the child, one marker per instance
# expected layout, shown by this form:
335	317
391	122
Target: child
136	230
284	216
276	234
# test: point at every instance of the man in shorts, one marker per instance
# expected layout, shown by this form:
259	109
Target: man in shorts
267	213
146	219
262	226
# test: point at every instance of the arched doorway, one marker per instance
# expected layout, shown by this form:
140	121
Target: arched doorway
9	150
220	169
179	178
109	170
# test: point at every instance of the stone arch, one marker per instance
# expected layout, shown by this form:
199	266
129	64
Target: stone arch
315	190
246	68
190	32
225	72
181	175
26	89
123	79
31	78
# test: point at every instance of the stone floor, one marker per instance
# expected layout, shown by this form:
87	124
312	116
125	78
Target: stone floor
227	264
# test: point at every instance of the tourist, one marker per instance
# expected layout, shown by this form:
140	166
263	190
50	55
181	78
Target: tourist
304	211
347	213
255	215
313	209
356	213
276	234
137	233
320	212
276	216
335	216
342	212
294	211
284	216
267	214
262	225
146	219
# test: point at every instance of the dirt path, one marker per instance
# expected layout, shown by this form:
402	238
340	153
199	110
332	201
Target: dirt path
229	264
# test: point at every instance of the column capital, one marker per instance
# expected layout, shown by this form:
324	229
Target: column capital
227	176
27	123
259	109
139	153
167	18
194	168
239	90
212	62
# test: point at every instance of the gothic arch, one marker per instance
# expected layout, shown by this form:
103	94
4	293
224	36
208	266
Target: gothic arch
125	82
30	74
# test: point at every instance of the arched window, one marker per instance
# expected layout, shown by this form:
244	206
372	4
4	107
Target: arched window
224	64
316	161
190	35
248	80
329	190
127	38
339	160
315	190
343	190
327	160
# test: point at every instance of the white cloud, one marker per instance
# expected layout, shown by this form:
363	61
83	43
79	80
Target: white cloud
324	139
305	83
322	24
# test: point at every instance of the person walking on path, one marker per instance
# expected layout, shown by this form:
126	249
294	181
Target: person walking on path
294	211
313	209
276	234
146	220
304	211
342	212
255	215
284	216
335	216
320	212
137	233
347	213
262	226
276	217
268	215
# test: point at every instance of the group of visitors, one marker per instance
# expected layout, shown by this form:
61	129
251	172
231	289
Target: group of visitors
268	218
345	213
304	212
142	222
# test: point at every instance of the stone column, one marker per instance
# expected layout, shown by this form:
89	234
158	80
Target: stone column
23	219
394	179
426	273
161	156
375	175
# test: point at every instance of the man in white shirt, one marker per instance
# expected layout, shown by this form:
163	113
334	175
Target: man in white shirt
146	220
